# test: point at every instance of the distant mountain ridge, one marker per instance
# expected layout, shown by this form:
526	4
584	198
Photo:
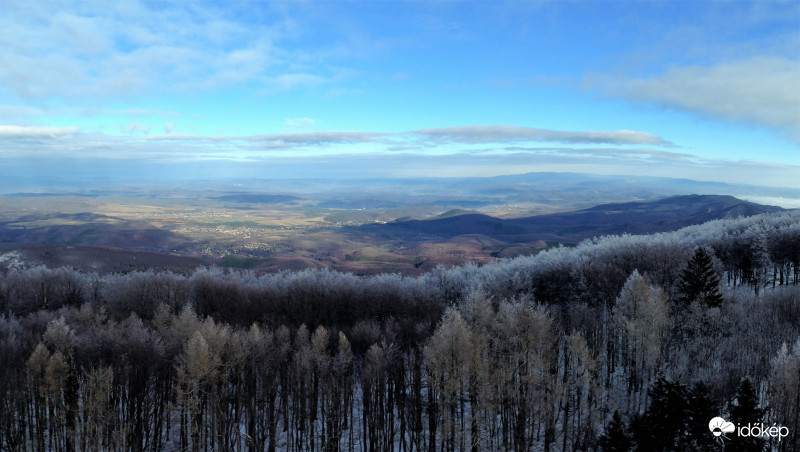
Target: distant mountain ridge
638	217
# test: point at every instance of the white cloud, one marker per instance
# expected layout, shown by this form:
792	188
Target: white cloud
93	111
136	128
96	50
34	131
371	153
237	145
298	123
136	138
17	111
763	91
317	138
510	134
86	35
645	154
190	137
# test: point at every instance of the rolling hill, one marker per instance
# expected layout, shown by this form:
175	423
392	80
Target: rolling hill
643	217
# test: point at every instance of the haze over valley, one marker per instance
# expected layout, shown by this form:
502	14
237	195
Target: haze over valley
364	226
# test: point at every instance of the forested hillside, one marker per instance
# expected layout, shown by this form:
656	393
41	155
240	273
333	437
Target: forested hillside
621	340
639	217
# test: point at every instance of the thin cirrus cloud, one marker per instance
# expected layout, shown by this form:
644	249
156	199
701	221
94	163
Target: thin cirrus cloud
508	134
291	81
320	138
644	154
434	138
438	140
375	158
11	131
187	137
16	112
298	123
129	48
285	140
762	91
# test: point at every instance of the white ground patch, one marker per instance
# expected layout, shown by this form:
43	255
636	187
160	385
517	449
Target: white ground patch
12	259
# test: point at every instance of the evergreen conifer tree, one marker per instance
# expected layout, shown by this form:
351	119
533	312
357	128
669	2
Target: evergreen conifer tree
699	281
616	438
662	428
702	408
745	411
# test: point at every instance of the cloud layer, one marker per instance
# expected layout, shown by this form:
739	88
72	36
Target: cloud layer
464	151
127	48
763	91
34	131
135	141
440	136
509	134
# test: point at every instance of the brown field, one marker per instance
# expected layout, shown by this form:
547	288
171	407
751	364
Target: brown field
118	234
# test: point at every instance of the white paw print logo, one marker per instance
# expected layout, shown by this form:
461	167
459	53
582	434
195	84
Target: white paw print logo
719	427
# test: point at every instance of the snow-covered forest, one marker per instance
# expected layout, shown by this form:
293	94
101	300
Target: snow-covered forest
622	342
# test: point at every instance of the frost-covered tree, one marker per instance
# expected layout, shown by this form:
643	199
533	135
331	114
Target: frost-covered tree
580	393
449	357
784	394
761	263
641	315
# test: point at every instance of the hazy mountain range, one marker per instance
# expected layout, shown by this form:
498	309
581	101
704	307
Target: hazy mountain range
364	241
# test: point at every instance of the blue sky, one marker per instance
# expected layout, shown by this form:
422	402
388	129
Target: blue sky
691	89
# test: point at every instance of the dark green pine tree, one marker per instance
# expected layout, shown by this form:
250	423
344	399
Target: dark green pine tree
699	281
616	437
663	426
702	408
745	411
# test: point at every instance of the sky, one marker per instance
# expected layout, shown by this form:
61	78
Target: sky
182	90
